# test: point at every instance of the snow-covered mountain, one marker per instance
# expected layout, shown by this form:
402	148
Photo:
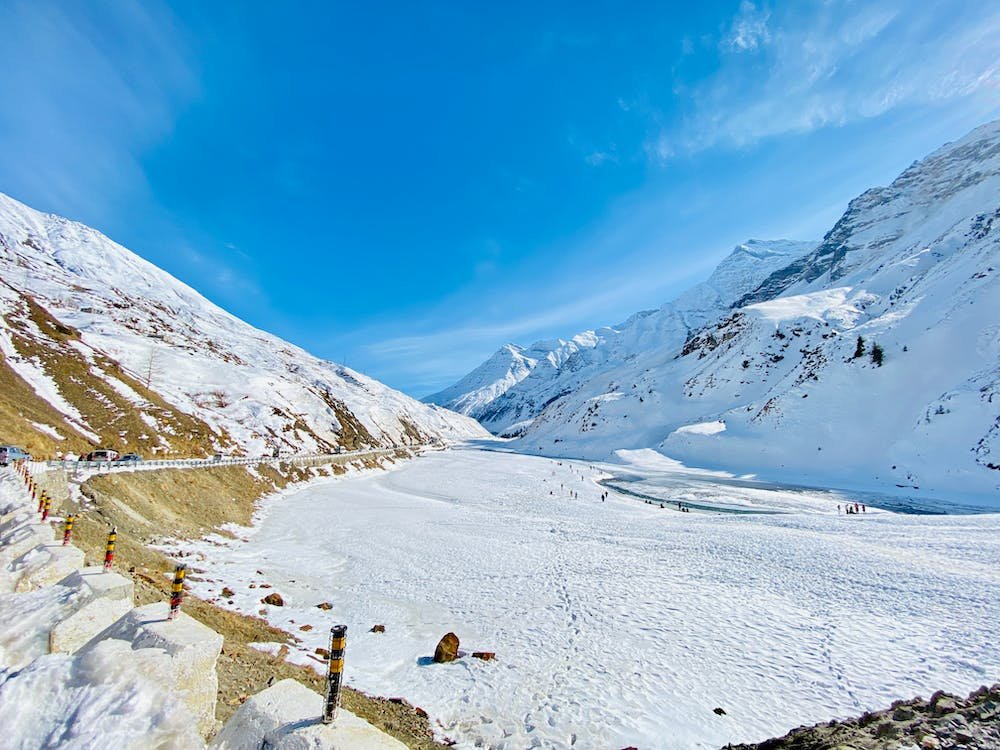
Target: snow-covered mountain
514	385
100	346
772	385
477	393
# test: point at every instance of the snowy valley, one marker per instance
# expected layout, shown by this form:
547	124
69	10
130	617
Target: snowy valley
760	370
624	597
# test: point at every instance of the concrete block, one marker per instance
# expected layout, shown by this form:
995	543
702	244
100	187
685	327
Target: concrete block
45	565
12	512
14	500
21	535
193	649
286	716
99	599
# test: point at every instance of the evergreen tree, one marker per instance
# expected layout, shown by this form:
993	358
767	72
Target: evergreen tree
859	350
877	354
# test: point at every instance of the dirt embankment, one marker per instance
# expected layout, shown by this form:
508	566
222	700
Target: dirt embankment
944	722
151	506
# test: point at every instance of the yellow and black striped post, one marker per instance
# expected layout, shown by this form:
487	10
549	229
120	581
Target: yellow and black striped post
41	499
338	639
177	591
68	529
109	549
46	506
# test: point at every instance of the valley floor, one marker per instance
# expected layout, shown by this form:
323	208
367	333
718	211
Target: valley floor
617	623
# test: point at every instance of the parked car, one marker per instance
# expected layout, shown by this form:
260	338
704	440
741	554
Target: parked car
131	458
101	454
11	453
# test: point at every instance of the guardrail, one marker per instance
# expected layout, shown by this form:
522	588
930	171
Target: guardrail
207	463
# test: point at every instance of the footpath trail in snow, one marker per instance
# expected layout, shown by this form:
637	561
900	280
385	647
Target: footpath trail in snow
617	623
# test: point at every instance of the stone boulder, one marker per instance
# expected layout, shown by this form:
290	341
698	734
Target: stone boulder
447	649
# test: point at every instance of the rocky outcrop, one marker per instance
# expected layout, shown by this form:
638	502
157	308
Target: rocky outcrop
941	723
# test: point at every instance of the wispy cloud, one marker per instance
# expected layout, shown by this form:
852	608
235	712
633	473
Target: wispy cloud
749	28
446	348
839	63
87	89
597	158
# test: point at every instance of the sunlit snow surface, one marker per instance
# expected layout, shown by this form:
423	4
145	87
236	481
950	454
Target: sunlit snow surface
619	623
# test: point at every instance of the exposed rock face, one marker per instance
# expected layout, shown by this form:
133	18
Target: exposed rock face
447	649
944	721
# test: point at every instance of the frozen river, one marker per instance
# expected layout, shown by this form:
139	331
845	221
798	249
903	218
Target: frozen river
619	623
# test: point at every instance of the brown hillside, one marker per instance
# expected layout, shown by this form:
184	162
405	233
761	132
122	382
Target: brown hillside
93	384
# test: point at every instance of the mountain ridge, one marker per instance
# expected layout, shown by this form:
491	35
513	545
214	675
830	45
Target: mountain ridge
771	384
505	403
96	332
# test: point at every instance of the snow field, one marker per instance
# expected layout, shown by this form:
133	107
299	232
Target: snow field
130	677
617	623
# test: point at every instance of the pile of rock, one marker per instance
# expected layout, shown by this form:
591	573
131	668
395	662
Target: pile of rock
945	722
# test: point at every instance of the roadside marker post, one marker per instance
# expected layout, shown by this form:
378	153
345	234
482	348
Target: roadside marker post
68	529
334	676
109	549
46	506
177	591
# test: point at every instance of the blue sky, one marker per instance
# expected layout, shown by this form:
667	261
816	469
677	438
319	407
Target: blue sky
404	187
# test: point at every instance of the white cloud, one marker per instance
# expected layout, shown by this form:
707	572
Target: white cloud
597	158
749	28
839	63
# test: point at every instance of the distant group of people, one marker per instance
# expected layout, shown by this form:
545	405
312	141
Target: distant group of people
853	508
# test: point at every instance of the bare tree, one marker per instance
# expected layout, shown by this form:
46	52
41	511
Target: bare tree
152	368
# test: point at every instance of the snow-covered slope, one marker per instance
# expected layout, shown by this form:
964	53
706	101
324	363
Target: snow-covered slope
114	349
512	387
478	392
912	267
